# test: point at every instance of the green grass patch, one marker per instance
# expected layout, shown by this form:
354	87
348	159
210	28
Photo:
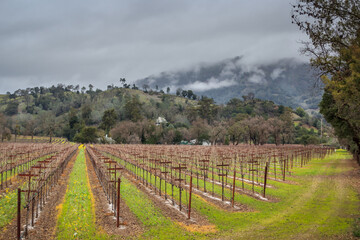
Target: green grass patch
8	207
77	218
317	205
157	226
8	200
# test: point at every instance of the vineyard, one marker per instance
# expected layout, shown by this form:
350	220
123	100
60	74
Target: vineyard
66	191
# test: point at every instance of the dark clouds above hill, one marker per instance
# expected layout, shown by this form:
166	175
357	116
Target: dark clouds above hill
82	42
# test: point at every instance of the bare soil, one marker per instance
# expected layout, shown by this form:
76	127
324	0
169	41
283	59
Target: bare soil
105	218
45	225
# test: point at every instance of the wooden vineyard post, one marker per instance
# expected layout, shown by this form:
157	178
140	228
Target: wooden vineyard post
242	172
233	192
275	165
118	204
204	168
19	215
284	169
252	170
222	165
212	175
265	177
179	180
30	175
190	197
165	172
154	170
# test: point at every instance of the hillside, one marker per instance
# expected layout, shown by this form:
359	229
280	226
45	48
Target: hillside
286	82
135	116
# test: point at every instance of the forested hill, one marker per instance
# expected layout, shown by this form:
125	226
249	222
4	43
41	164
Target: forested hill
287	82
129	115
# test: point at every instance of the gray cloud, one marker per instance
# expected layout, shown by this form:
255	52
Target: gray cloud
82	42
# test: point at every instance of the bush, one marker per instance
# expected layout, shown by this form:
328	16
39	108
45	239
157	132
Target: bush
11	108
86	135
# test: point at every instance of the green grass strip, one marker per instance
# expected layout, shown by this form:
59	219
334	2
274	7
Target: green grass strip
77	218
8	202
157	226
314	205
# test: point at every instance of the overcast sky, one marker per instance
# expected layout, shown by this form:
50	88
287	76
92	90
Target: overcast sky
81	42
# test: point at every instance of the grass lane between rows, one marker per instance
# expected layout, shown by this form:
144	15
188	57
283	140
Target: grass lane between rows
77	214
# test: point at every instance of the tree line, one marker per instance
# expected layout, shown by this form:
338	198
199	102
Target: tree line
333	28
129	116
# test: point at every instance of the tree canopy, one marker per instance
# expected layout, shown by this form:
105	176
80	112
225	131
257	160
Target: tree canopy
333	27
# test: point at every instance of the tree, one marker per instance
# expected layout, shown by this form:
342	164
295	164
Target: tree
4	131
150	133
287	132
86	111
190	94
300	112
16	130
200	130
237	131
31	127
340	103
91	87
73	125
48	124
168	90
217	132
108	120
184	93
276	128
134	87
258	130
146	87
126	132
207	109
178	136
122	81
12	108
133	109
76	88
333	27
86	135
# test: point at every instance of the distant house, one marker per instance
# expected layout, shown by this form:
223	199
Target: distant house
160	120
206	143
106	139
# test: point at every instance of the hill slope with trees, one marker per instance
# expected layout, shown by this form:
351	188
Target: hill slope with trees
130	115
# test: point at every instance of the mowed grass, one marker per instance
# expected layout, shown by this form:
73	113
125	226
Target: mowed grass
77	215
156	225
318	205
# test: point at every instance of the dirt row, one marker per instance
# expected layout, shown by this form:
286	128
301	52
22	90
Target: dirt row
105	218
45	226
